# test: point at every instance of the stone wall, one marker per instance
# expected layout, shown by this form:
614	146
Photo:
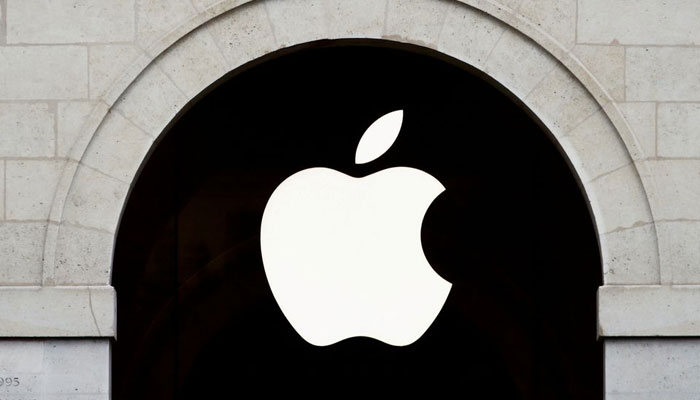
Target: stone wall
87	86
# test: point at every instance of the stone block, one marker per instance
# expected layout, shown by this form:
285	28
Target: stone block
556	17
243	34
417	22
71	116
355	19
297	21
652	369
87	131
679	248
95	200
675	193
26	130
21	356
31	186
70	21
63	359
153	102
43	72
83	256
630	256
66	311
662	74
618	200
641	118
469	34
649	311
194	63
595	147
607	64
639	22
679	130
518	63
21	246
118	148
561	102
56	369
107	64
156	18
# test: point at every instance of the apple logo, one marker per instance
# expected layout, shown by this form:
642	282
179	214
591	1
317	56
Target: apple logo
343	255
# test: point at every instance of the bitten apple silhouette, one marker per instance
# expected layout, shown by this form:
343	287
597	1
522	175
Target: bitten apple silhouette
343	255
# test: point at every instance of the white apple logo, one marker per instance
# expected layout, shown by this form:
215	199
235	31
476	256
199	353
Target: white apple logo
343	255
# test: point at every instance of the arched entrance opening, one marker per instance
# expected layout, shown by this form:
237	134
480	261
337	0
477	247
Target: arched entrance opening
511	232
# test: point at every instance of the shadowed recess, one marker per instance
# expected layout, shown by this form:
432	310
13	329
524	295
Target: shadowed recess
511	232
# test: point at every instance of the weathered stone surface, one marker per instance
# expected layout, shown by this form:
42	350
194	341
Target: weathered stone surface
95	200
652	369
676	189
618	200
285	16
83	256
560	102
2	22
595	147
71	115
416	22
556	17
153	103
195	63
70	21
56	369
679	248
469	35
57	311
607	64
355	19
107	63
630	256
21	245
639	22
518	64
31	186
649	310
158	17
43	72
88	127
511	4
641	118
118	148
679	130
662	74
244	34
204	4
26	130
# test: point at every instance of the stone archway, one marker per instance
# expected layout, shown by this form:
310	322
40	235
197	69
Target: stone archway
187	259
89	201
535	67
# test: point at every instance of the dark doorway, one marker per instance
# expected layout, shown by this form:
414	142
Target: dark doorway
512	232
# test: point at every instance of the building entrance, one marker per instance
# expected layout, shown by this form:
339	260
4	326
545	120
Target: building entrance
511	232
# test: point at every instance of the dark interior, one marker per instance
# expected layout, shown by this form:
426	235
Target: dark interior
512	232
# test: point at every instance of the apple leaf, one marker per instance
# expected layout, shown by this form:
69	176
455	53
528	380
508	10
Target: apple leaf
379	137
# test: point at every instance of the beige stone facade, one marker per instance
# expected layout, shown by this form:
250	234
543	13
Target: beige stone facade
86	87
